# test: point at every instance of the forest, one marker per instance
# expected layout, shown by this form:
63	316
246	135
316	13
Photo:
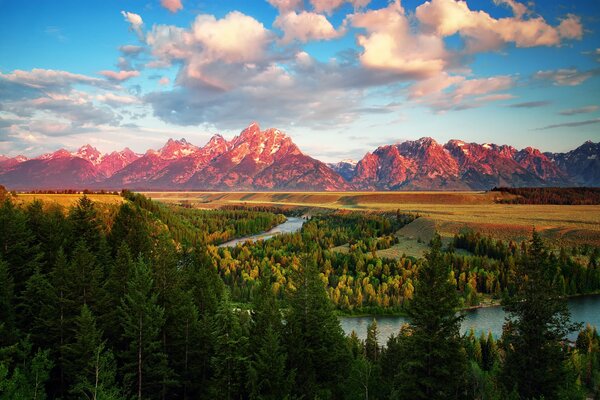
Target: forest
136	301
551	195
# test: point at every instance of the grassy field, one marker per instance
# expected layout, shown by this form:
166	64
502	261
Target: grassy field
67	200
449	211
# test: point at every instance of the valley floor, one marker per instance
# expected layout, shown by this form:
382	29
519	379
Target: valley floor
449	211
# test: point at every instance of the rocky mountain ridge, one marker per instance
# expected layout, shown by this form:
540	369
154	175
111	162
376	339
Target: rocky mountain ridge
269	160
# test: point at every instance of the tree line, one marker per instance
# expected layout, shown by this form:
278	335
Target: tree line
551	195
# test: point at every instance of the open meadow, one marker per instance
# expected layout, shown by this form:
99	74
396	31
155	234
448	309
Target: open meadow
67	200
449	211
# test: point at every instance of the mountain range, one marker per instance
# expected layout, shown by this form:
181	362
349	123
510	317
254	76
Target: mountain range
269	160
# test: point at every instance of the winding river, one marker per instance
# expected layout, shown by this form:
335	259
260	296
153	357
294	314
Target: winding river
584	309
291	225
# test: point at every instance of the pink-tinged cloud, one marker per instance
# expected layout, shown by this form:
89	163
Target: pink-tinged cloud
571	27
164	81
328	6
518	9
391	45
482	32
119	76
286	5
213	51
305	26
172	5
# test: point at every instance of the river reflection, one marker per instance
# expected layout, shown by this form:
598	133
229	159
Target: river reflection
584	309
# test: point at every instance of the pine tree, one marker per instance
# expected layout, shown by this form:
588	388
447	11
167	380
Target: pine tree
371	345
17	245
315	340
537	323
79	353
144	363
90	365
58	318
115	288
85	224
435	364
26	376
229	362
131	229
84	277
34	308
7	307
186	345
269	378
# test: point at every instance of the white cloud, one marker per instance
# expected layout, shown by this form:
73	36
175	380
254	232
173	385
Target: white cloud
49	79
482	32
390	44
305	26
135	22
116	99
567	76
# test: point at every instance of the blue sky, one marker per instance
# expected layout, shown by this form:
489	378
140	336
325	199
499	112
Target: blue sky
340	76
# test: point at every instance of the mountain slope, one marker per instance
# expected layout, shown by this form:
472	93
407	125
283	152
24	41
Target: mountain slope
269	160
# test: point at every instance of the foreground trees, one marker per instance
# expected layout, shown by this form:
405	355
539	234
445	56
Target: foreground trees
434	364
87	312
536	328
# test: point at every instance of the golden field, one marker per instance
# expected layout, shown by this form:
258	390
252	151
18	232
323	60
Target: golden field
67	200
450	211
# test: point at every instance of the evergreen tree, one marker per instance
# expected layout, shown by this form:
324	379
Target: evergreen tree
34	309
229	362
80	353
371	345
315	341
186	345
145	366
58	318
17	245
7	308
102	385
268	375
90	365
85	224
84	277
115	288
26	376
130	228
434	366
537	323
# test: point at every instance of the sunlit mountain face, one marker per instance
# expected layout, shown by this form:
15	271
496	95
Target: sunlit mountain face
517	82
269	160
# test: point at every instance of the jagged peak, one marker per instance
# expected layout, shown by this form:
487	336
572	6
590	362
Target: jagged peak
427	140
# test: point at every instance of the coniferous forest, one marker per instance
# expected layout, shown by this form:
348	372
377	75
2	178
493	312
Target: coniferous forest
137	301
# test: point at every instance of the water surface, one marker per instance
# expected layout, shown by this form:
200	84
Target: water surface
584	309
291	225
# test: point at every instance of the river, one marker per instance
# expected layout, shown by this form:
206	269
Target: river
291	225
584	309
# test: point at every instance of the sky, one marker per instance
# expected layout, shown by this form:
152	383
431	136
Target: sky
341	77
